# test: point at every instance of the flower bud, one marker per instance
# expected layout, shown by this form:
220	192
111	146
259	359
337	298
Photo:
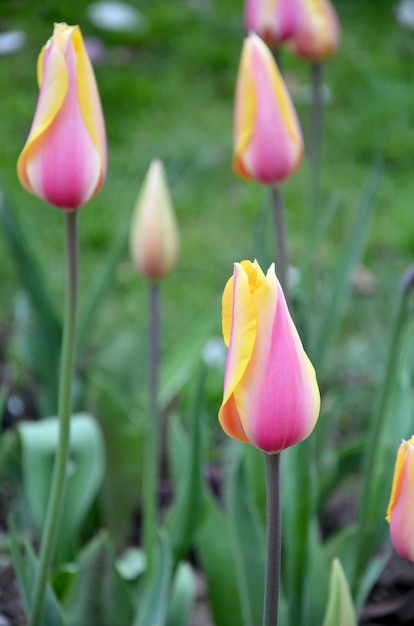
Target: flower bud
274	21
64	159
268	144
400	508
318	31
271	397
154	237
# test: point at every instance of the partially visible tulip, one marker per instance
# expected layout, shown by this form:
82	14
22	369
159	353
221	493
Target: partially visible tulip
318	31
401	505
274	21
154	237
271	397
64	159
268	144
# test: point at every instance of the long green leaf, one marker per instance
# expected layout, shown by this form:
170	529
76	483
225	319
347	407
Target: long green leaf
26	567
99	288
218	563
99	596
153	605
186	513
248	542
44	331
353	251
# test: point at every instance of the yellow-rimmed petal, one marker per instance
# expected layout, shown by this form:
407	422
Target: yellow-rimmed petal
53	88
242	339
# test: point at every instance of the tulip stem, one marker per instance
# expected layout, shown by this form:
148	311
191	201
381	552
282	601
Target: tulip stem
273	540
153	448
281	239
57	491
315	133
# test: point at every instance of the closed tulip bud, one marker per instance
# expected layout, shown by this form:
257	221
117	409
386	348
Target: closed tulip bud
154	239
400	508
273	20
271	397
64	159
268	144
318	31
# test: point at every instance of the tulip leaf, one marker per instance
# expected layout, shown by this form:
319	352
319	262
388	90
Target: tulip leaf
182	596
26	566
99	288
86	465
247	539
39	324
98	596
352	253
153	603
123	433
214	544
188	483
178	366
340	609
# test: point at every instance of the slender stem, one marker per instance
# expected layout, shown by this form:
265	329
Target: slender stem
273	541
50	531
153	451
315	134
281	238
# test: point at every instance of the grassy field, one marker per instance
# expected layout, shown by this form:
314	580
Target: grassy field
168	94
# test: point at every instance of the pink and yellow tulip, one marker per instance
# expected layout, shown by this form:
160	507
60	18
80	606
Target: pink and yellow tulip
318	31
154	237
268	144
271	397
274	21
64	159
401	505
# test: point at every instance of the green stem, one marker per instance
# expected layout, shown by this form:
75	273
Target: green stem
315	134
153	451
370	488
273	541
50	531
281	239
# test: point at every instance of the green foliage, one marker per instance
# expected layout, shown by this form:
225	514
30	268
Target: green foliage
340	609
86	465
98	596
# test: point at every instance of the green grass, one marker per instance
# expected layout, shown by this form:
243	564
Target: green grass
170	95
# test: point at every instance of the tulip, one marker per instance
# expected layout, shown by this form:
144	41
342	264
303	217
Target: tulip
400	508
318	32
274	21
268	144
271	397
64	159
154	239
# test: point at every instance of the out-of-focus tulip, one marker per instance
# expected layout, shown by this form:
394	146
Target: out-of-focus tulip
318	31
154	238
400	508
64	159
268	144
273	20
271	397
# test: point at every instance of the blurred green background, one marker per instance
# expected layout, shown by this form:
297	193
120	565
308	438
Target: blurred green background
167	92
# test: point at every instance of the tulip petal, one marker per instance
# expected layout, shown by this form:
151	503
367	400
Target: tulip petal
267	137
64	159
271	397
400	508
241	344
